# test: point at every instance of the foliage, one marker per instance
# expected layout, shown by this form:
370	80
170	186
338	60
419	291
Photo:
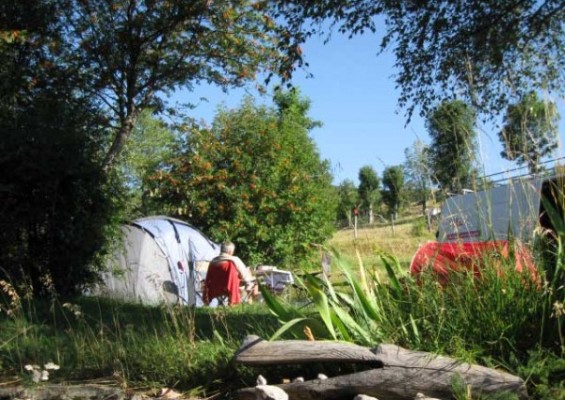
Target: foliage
55	213
256	178
125	54
348	200
368	189
55	206
419	227
546	373
489	52
393	188
452	152
530	131
497	319
418	171
151	145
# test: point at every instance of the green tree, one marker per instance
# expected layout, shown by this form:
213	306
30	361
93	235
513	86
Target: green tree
127	54
418	171
530	131
393	189
348	200
150	146
55	206
56	214
453	149
256	178
368	189
490	52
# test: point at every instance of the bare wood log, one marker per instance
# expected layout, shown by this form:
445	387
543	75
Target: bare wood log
405	372
395	356
390	383
255	351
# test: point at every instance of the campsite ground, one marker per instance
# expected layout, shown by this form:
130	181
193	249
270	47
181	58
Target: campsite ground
146	349
94	339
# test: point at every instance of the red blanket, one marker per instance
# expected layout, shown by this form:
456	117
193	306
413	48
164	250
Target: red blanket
222	279
470	256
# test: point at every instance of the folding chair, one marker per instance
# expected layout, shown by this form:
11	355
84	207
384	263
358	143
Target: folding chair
222	283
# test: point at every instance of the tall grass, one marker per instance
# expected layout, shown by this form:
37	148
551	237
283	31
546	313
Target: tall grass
500	319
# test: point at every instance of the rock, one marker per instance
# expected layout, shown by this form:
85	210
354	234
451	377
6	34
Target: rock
298	379
266	392
261	380
421	396
167	393
364	397
322	377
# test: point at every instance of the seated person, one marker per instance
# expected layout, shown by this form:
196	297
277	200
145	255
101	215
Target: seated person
246	278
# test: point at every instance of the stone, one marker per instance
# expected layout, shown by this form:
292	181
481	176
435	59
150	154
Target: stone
421	396
266	392
261	380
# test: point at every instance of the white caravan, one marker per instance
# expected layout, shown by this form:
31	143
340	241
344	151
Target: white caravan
510	211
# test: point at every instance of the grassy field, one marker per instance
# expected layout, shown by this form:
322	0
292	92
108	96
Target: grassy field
402	241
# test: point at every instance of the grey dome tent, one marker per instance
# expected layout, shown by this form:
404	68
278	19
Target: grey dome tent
162	260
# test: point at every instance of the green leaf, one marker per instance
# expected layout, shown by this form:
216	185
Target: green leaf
554	216
276	306
391	266
321	302
286	327
349	323
367	306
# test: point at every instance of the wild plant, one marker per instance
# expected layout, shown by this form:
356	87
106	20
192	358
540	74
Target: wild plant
492	318
551	248
10	301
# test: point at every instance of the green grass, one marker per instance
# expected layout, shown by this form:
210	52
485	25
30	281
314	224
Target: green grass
130	344
402	242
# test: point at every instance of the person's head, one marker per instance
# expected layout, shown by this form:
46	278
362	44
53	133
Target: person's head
227	247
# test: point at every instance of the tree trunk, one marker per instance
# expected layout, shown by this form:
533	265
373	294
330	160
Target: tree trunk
120	140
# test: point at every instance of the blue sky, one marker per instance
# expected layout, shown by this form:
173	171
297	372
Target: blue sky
353	94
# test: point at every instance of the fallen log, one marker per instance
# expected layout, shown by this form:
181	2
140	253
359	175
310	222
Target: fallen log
403	374
255	352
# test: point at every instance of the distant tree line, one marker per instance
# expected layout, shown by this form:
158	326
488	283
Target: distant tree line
448	164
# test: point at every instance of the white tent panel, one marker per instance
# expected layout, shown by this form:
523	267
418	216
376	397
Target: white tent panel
161	262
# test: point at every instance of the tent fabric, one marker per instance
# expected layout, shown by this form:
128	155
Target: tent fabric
222	280
162	260
444	257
